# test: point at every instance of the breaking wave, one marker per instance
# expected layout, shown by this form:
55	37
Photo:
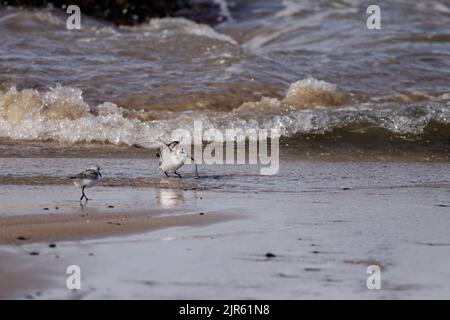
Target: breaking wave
180	26
310	107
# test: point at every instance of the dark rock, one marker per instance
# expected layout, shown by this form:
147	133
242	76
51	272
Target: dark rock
34	253
21	238
202	213
131	12
52	245
46	209
110	206
270	255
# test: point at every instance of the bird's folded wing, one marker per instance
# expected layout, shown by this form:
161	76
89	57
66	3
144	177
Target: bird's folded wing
147	144
88	174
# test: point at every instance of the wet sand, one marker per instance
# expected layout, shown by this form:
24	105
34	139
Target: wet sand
365	156
322	227
50	228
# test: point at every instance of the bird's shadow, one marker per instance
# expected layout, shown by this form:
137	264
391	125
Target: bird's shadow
208	177
203	177
83	204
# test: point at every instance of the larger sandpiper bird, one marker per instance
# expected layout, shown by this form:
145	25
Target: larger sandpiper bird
171	157
87	179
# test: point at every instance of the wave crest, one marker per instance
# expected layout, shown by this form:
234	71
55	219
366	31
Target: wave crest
311	92
61	114
181	26
302	94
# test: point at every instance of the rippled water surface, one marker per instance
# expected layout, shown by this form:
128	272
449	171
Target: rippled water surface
309	68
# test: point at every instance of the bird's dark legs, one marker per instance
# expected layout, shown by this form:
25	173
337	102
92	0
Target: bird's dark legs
83	195
196	170
179	175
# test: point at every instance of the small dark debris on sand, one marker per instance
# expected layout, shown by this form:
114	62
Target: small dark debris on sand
270	255
443	205
114	223
312	269
34	253
46	209
345	189
91	254
52	245
21	238
202	213
110	206
283	275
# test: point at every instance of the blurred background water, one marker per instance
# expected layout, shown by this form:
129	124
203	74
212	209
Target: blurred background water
312	69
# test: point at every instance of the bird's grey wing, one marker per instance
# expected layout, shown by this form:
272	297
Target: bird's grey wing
150	144
144	145
91	174
87	174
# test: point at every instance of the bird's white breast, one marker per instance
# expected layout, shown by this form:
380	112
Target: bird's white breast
84	183
172	162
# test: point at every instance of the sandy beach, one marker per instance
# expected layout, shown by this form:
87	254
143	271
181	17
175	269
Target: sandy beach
320	129
63	227
322	235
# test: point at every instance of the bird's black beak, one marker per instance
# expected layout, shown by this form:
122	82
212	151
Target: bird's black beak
158	155
100	174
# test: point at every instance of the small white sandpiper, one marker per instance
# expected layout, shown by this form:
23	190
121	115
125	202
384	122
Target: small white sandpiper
171	157
87	179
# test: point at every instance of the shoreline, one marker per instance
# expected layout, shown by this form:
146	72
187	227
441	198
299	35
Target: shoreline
40	228
290	150
310	232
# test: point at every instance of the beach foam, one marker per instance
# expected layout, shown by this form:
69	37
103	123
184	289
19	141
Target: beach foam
309	108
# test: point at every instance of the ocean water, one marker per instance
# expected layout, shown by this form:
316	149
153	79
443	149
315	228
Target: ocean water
311	69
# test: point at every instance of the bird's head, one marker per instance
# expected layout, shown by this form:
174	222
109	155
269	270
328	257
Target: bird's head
96	168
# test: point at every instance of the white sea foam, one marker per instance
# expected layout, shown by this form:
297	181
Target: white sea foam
312	92
61	114
179	26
